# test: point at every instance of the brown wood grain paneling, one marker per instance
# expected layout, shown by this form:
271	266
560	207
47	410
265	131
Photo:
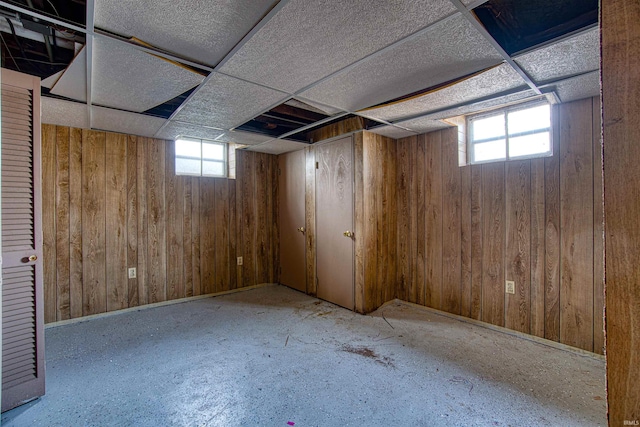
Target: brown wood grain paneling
433	196
113	201
465	241
403	177
174	191
537	247
552	238
359	221
63	262
598	231
518	245
187	267
75	223
371	224
207	235
261	233
273	232
392	229
621	91
493	239
249	217
451	223
195	236
476	242
576	225
380	217
132	218
142	157
415	291
156	222
93	222
49	221
221	242
116	222
333	130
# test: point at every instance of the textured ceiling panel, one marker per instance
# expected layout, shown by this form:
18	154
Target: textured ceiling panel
278	146
449	50
73	82
129	79
392	132
308	40
64	113
424	125
496	80
203	31
125	122
175	129
244	138
574	55
475	107
584	86
51	80
226	102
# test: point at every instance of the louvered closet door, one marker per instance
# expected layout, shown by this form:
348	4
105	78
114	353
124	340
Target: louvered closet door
22	305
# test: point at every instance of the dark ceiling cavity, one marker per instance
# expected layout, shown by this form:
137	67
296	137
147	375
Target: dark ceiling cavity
282	119
521	25
165	110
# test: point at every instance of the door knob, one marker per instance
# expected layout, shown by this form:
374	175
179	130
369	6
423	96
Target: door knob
32	258
301	229
348	234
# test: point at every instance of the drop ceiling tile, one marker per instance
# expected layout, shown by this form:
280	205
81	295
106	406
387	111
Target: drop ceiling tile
51	80
479	106
203	31
496	80
308	40
392	132
226	102
583	86
174	129
129	79
244	138
125	122
64	113
424	125
449	50
574	55
73	82
278	146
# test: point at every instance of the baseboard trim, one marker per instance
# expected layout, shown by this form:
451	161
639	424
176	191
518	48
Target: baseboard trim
148	306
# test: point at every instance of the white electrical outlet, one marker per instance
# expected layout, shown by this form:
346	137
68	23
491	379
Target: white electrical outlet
511	287
239	260
132	273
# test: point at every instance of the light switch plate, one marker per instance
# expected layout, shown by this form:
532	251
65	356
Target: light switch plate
511	287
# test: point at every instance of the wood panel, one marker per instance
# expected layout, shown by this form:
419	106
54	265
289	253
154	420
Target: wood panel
75	223
359	220
338	128
49	263
518	245
262	242
93	223
248	218
62	224
310	220
598	231
370	196
576	225
621	91
506	221
114	202
493	239
430	248
451	224
116	222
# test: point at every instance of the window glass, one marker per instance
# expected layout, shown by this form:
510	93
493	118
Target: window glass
200	158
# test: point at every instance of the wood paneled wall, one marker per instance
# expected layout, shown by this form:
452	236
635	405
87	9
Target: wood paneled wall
621	100
113	201
463	231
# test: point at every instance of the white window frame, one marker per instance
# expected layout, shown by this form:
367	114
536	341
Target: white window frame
225	161
505	110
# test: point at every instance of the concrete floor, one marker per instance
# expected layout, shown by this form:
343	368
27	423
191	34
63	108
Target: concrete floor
273	356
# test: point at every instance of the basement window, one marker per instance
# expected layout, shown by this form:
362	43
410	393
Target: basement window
200	157
517	132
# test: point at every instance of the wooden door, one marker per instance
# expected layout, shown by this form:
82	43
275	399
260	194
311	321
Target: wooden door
334	222
22	305
291	188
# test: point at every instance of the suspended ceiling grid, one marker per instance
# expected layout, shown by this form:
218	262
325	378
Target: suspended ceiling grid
347	56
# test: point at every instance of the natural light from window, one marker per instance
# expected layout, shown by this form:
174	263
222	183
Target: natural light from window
511	133
200	157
